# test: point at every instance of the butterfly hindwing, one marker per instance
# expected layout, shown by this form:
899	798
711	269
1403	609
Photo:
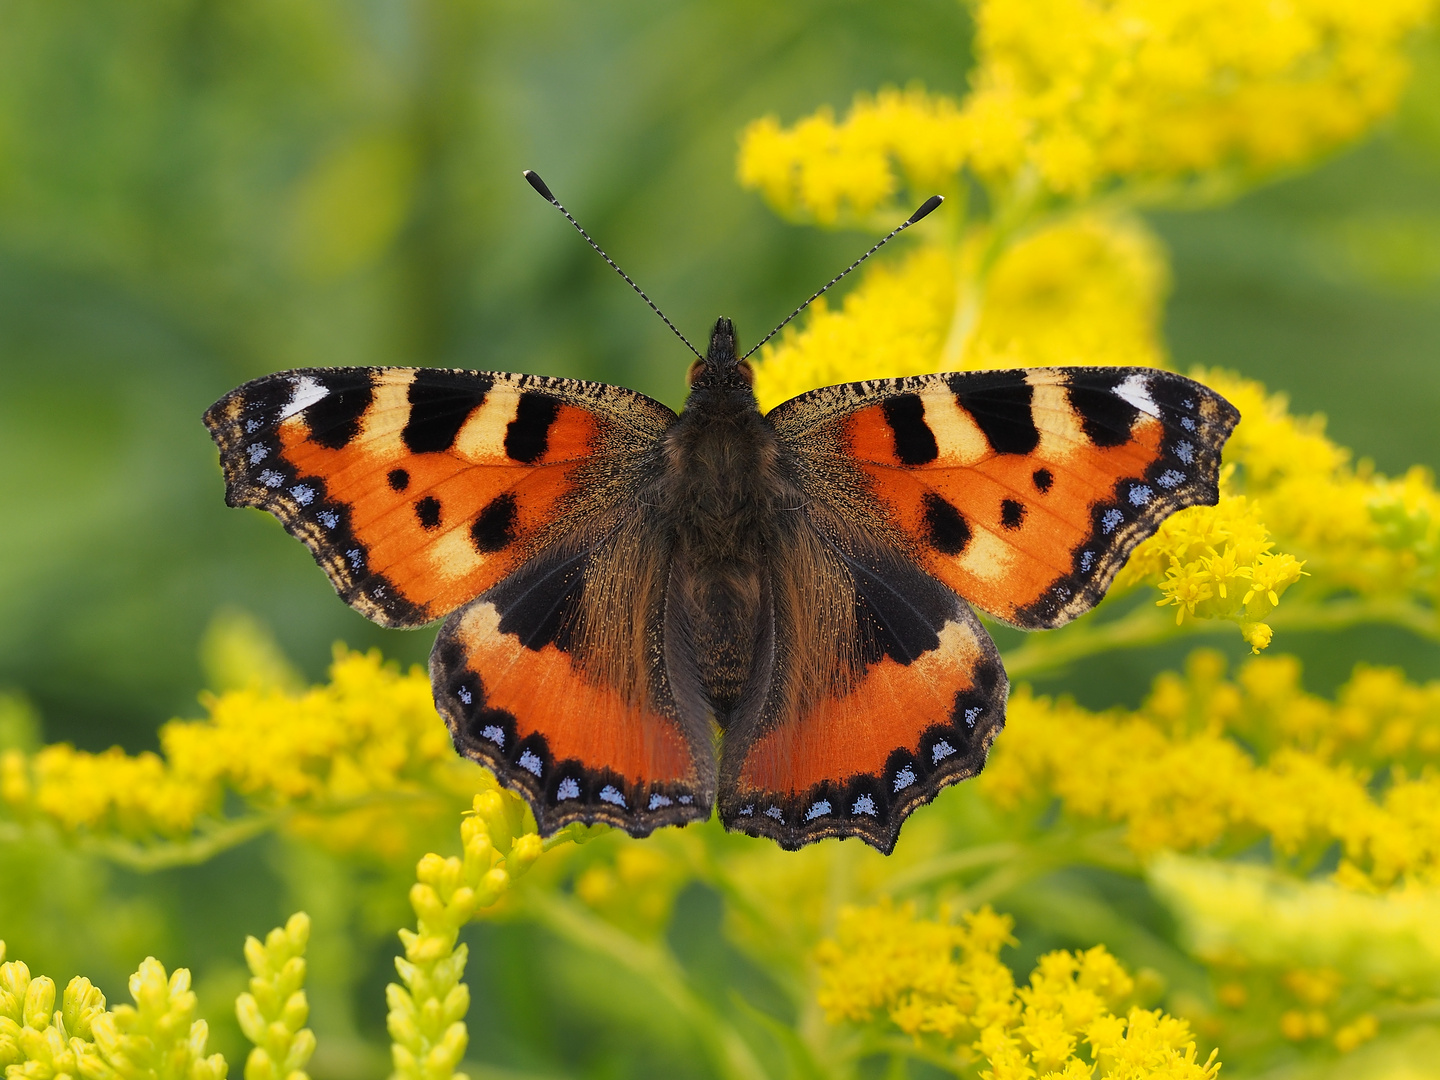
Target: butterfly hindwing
554	679
1026	490
884	689
417	489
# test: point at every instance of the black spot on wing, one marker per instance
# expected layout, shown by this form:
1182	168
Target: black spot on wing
398	479
1104	415
494	526
1000	402
1012	513
335	419
914	441
1043	479
440	403
427	512
947	527
527	436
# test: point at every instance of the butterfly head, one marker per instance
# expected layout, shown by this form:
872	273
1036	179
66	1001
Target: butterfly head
721	369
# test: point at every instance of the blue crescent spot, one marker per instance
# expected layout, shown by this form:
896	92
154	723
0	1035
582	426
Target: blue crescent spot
819	809
864	805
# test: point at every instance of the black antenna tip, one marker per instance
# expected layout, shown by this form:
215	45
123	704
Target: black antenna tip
539	185
928	205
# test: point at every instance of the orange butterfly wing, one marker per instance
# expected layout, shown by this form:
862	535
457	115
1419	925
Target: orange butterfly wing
417	489
513	502
885	688
1022	492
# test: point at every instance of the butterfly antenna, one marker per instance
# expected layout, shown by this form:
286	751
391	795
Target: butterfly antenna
539	185
925	208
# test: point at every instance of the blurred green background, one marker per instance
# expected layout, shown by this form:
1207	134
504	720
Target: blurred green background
196	193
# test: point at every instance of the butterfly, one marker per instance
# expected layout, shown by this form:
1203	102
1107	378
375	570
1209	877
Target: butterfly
647	615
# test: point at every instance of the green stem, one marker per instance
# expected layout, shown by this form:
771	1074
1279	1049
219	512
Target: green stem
956	862
658	968
1148	626
216	836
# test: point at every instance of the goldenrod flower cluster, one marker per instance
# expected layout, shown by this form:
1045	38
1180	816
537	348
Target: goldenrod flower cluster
1087	290
1217	562
273	1012
427	1014
1212	764
331	760
943	980
1312	961
1071	97
157	1038
1356	529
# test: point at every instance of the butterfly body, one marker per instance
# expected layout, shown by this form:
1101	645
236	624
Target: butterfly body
622	586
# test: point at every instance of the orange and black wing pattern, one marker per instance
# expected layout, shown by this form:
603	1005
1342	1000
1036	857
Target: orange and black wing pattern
885	689
555	679
511	503
417	489
1024	491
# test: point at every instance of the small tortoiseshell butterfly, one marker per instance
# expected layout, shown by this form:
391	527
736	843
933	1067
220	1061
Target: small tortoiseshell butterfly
617	581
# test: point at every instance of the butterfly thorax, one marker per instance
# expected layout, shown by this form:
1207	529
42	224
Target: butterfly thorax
724	479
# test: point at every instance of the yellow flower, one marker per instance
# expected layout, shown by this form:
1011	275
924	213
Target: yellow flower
941	979
1073	96
1220	566
1207	763
273	1013
426	1020
329	759
829	169
1085	291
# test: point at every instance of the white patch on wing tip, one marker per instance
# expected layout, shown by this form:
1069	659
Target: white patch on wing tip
306	392
1136	391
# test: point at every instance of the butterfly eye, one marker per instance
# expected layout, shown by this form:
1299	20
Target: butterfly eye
747	372
694	372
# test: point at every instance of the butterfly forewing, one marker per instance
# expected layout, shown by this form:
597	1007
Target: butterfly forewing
418	489
1024	491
